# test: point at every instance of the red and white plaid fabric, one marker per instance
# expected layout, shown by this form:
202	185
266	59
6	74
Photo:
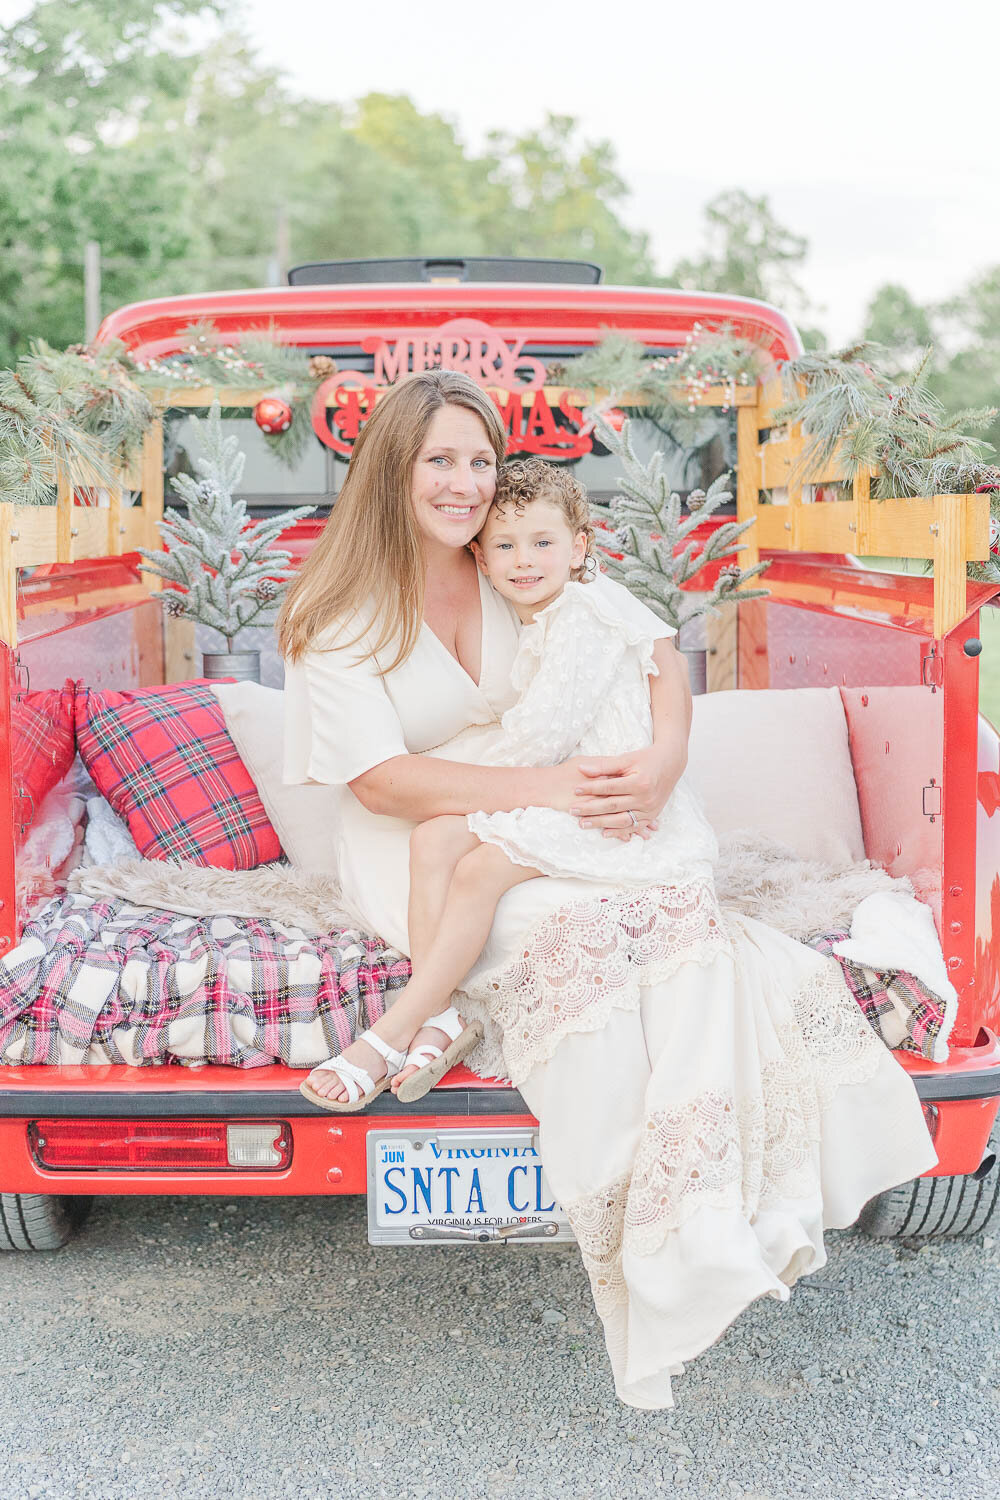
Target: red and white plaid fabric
163	758
103	981
42	742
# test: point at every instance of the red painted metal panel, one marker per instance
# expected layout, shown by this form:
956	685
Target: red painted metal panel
317	316
8	900
987	959
328	1157
959	807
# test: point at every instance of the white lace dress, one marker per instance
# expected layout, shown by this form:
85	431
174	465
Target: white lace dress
581	673
709	1094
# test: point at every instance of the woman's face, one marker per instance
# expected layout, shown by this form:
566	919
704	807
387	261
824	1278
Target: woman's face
454	477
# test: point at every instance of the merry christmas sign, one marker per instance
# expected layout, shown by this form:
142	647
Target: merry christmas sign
541	419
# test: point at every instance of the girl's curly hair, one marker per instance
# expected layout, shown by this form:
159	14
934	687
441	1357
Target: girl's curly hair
522	480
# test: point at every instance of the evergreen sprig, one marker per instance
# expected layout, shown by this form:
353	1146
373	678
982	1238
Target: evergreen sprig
667	386
659	552
854	413
89	408
76	409
225	572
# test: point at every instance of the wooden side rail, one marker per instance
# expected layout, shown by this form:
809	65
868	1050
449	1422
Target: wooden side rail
948	530
32	535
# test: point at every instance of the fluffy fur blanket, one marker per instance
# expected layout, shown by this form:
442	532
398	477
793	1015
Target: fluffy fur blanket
756	876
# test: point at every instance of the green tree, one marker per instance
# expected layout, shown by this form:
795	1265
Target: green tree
565	195
900	325
181	162
75	77
747	253
969	325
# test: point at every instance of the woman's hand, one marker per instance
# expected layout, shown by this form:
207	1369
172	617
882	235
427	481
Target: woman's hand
609	789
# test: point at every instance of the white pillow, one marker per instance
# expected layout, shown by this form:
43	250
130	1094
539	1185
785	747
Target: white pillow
778	761
304	817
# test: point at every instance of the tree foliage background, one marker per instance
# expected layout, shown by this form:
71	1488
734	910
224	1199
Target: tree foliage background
148	126
119	124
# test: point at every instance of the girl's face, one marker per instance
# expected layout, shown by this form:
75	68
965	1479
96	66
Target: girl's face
454	478
528	557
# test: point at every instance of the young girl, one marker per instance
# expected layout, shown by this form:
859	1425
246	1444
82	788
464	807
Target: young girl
585	654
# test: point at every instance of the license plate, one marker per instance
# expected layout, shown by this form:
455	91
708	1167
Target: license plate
460	1186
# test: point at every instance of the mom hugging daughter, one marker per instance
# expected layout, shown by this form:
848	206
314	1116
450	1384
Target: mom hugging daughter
511	727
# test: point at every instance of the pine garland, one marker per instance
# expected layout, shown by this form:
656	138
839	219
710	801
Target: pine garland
88	409
854	413
653	538
225	572
80	410
668	386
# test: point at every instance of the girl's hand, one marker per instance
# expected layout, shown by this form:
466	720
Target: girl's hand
608	788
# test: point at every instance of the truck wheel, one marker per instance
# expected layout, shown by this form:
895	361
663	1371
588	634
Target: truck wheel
936	1207
40	1221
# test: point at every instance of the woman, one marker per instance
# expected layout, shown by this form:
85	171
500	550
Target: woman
708	1092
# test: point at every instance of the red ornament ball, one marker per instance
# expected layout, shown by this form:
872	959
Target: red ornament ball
273	415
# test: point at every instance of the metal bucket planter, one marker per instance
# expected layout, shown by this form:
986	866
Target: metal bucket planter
693	643
243	665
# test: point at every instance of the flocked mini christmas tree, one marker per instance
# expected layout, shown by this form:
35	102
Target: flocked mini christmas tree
226	572
653	535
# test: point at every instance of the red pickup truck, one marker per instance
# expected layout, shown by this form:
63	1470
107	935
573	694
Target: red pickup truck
928	795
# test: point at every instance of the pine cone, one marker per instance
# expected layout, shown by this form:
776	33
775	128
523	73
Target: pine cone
266	590
696	500
321	365
174	605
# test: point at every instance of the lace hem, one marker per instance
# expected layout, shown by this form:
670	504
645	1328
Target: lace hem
598	1221
591	957
718	1150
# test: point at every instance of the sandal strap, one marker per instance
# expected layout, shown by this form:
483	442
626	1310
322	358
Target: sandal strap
394	1059
421	1056
449	1021
356	1080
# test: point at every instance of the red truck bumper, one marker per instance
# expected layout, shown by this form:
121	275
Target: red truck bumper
328	1151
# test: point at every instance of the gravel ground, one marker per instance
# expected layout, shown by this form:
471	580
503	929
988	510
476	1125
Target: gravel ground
261	1348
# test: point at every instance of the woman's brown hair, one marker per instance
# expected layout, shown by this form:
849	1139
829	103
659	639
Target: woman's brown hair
370	547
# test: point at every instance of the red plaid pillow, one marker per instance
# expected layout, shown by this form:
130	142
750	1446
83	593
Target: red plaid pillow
164	760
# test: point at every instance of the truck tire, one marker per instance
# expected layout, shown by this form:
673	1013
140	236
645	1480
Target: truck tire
937	1207
40	1221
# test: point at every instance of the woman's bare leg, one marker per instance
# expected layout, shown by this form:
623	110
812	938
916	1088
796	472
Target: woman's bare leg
436	847
481	877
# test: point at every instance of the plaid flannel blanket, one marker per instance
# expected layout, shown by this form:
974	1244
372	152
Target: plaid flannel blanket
103	981
902	1010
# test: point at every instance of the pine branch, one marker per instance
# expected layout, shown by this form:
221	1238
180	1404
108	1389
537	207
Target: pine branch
655	571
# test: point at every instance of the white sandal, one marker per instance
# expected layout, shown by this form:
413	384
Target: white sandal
360	1085
431	1063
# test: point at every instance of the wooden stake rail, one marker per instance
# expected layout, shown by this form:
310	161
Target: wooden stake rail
950	530
32	535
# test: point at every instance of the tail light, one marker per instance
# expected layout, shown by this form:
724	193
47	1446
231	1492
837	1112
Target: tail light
160	1145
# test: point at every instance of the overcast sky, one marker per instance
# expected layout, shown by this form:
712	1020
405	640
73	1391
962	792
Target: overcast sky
872	125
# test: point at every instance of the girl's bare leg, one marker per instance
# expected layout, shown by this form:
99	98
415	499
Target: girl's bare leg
481	877
436	847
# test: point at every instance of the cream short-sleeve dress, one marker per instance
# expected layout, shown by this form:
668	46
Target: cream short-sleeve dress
710	1096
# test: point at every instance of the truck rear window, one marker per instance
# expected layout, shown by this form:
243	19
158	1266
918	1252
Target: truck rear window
698	447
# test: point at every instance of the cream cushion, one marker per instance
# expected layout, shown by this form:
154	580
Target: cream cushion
303	817
778	761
